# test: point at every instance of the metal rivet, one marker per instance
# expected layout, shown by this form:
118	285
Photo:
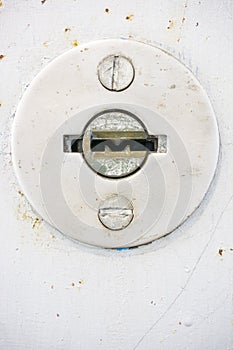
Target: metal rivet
116	73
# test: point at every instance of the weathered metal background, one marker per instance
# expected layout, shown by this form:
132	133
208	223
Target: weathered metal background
174	293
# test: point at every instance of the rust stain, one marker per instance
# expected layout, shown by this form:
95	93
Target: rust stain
20	193
129	17
58	315
1	3
193	87
72	284
43	1
2	56
220	251
36	222
161	105
171	24
67	29
183	19
107	10
75	43
0	104
81	281
45	43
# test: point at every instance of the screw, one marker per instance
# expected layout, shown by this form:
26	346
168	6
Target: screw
115	212
116	73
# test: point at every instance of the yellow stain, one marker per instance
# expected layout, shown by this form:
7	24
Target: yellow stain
75	43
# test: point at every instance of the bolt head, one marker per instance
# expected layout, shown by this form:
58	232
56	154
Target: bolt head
116	73
115	212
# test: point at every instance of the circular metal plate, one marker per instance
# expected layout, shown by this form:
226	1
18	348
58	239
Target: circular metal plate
168	100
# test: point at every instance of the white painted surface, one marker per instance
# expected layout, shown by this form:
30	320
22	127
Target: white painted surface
66	192
174	293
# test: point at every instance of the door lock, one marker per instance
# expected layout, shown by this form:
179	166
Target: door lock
115	143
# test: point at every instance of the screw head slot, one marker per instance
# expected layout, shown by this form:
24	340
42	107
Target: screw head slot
116	73
115	212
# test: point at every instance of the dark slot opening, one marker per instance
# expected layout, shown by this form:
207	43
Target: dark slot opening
150	145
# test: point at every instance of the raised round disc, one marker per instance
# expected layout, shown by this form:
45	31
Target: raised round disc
67	192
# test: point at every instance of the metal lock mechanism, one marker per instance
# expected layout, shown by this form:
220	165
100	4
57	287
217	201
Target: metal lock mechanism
117	149
115	144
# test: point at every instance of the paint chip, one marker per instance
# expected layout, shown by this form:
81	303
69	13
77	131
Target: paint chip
161	105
